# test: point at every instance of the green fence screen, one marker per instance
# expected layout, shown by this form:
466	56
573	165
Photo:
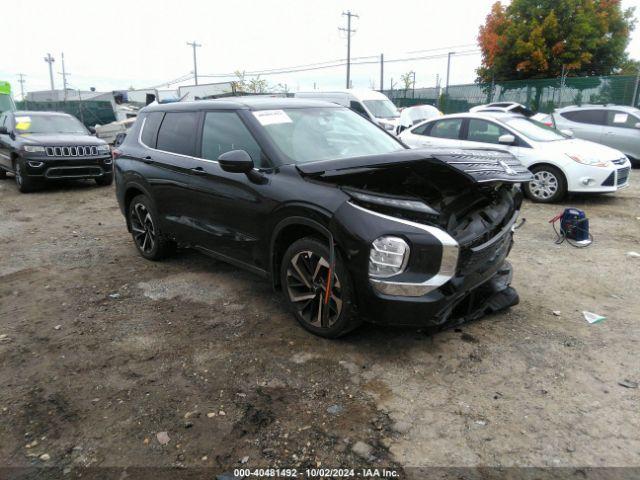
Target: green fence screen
90	113
543	95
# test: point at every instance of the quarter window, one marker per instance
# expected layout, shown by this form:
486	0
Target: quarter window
449	128
177	133
485	132
593	117
150	129
358	108
223	132
616	118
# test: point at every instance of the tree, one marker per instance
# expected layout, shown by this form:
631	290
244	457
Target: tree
252	85
407	79
537	38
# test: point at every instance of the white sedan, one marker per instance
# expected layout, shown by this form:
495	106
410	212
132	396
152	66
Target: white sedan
559	163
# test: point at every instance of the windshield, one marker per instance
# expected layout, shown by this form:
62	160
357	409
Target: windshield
6	103
310	134
382	108
48	124
536	131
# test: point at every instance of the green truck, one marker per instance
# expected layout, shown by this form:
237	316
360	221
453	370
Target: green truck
6	102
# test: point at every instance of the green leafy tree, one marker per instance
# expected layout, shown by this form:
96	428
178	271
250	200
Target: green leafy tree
251	85
537	38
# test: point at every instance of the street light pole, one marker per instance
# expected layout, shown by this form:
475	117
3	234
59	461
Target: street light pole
195	62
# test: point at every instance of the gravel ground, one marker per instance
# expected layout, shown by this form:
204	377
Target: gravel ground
108	360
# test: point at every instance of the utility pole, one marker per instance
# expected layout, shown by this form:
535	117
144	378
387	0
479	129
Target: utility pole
446	86
382	72
64	78
414	84
349	31
49	59
195	62
635	89
22	80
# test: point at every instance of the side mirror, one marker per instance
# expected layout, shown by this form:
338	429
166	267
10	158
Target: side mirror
567	132
236	161
506	139
92	130
637	125
4	131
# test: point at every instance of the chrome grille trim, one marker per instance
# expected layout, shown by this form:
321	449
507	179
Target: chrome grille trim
72	151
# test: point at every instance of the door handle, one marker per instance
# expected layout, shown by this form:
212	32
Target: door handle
198	171
147	159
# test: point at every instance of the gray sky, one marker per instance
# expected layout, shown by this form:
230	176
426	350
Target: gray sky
117	44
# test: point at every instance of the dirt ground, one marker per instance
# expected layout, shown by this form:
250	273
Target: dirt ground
101	351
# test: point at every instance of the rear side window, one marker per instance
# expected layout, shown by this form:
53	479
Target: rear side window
223	132
177	133
150	129
449	128
616	118
593	117
422	129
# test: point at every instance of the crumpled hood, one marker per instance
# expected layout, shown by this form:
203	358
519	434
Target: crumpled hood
479	165
584	148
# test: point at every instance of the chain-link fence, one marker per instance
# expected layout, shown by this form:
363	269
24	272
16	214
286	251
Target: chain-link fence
543	95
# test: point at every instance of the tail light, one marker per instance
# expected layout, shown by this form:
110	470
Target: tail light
115	153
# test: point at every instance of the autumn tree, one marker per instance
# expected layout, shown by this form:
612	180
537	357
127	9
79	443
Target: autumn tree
536	38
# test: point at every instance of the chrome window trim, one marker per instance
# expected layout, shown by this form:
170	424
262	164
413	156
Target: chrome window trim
144	121
448	262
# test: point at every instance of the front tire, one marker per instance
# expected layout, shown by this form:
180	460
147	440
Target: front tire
25	183
105	180
548	185
144	230
303	274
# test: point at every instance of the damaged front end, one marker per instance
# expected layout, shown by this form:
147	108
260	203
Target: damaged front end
437	227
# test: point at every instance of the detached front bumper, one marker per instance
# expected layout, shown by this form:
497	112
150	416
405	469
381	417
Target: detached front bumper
47	168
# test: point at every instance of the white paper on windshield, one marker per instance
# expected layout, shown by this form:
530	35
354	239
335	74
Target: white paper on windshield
620	118
272	117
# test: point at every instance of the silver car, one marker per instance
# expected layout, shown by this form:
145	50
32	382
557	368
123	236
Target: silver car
616	126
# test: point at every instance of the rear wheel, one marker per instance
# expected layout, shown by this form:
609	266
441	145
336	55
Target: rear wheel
548	184
304	276
25	183
144	230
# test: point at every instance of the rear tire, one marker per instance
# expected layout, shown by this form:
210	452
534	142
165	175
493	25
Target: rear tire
25	183
144	230
548	186
303	276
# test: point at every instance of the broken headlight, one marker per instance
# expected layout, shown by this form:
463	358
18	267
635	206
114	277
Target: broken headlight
388	256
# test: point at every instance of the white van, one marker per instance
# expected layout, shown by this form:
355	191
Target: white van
370	104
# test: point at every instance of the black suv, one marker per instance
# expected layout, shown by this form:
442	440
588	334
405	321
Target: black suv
40	146
338	214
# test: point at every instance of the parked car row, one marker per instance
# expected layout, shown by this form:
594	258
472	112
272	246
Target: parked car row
325	202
